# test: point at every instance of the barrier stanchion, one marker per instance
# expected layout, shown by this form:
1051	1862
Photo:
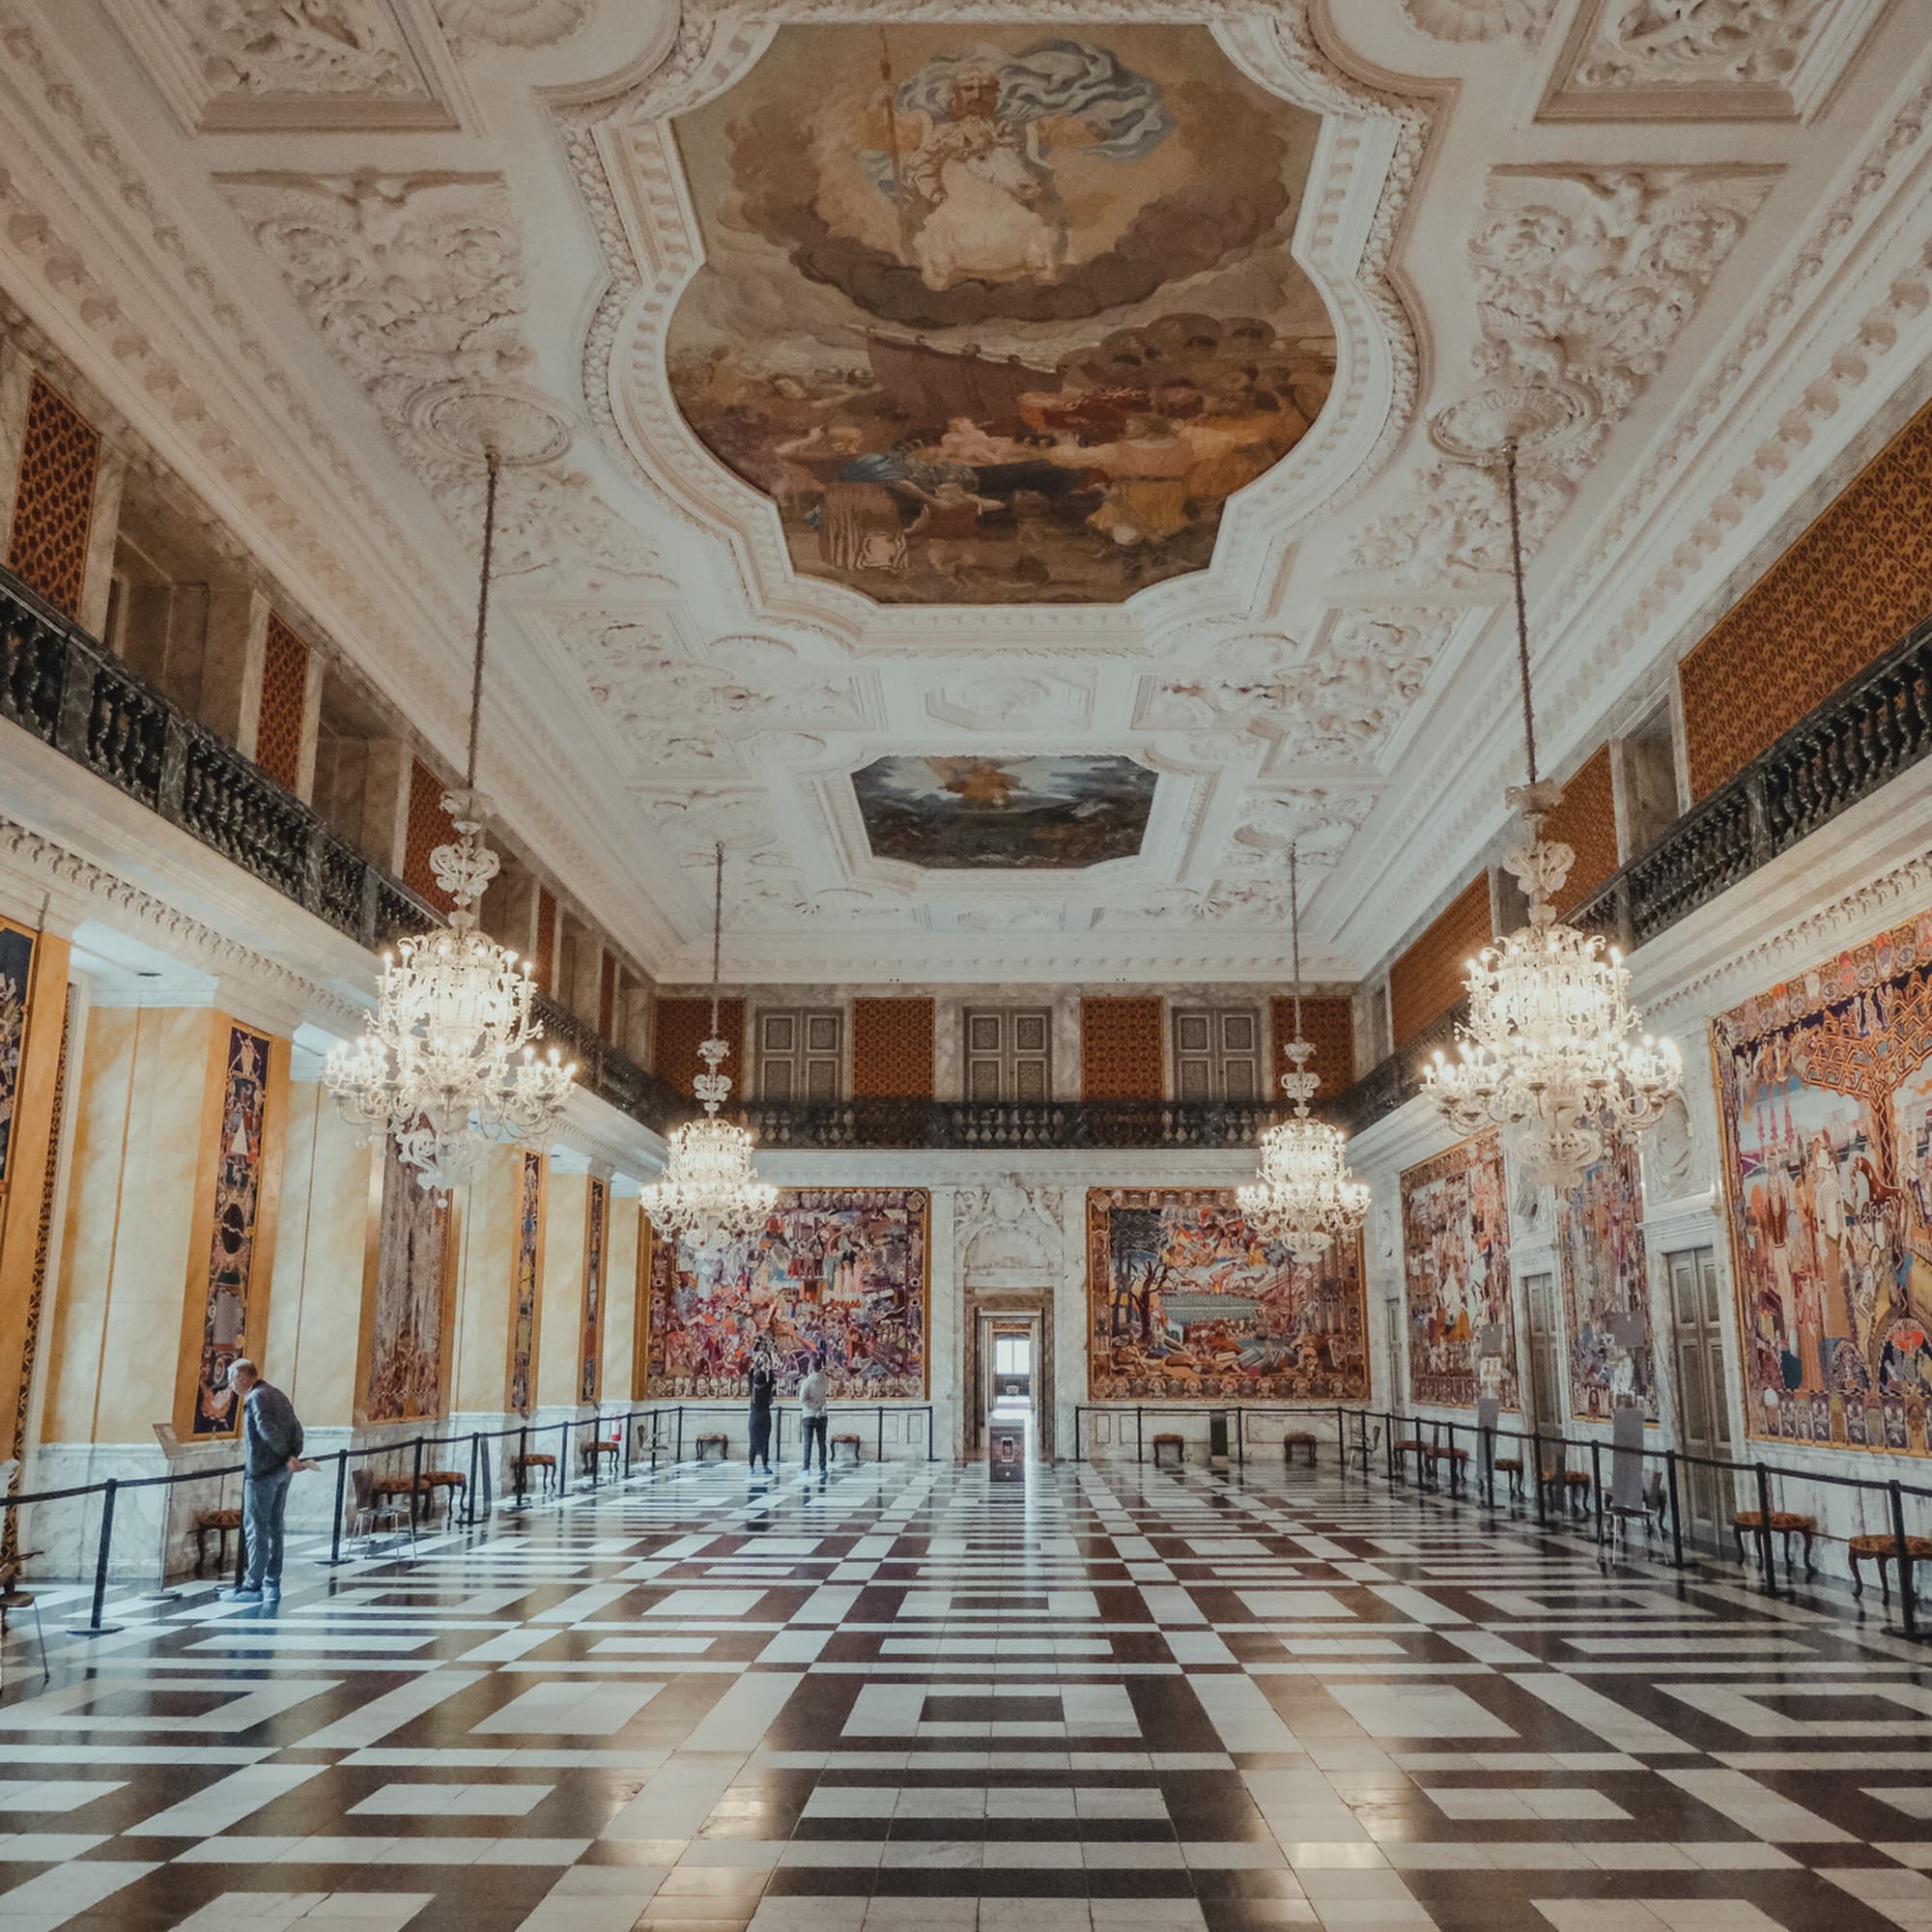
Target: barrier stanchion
1140	1442
1078	1413
679	1455
335	1559
1596	1485
880	1455
1676	1513
564	1459
1764	1529
929	1432
1535	1473
1341	1442
1240	1439
1908	1615
93	1627
523	1464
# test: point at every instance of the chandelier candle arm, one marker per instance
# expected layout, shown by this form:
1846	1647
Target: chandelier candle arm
1303	1193
448	1061
1553	1051
709	1191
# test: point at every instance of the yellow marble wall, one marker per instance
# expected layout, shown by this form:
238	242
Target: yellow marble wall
620	1299
560	1300
486	1259
133	1267
329	1203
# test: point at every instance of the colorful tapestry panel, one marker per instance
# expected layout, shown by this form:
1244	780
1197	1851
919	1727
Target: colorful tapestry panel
523	1280
1455	1248
1826	1090
238	1200
593	1290
839	1272
16	974
1606	1290
1184	1299
407	1324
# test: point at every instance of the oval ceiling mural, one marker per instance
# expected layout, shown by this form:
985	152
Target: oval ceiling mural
998	317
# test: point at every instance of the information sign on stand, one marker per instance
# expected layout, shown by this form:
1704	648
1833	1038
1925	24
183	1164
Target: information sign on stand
1006	1451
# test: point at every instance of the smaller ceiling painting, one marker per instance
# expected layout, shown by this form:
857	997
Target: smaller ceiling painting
1004	815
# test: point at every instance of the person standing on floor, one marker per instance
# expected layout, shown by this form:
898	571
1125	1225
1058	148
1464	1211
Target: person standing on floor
271	1446
811	1397
764	1385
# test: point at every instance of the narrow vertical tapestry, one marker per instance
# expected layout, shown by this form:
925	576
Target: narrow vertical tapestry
238	1200
1607	1290
1456	1265
17	975
524	1280
406	1325
1826	1095
593	1291
1185	1300
839	1274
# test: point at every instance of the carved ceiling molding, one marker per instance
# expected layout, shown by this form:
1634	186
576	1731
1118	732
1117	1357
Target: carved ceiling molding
1705	60
1851	919
617	135
1465	20
1583	277
332	580
290	66
177	933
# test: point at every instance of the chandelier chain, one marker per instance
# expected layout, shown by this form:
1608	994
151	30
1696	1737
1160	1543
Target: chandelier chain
1522	601
716	923
494	463
1295	934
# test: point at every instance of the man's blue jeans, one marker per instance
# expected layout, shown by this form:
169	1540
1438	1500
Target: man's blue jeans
264	1502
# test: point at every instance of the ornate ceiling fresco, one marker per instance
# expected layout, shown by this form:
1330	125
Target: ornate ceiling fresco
994	317
965	397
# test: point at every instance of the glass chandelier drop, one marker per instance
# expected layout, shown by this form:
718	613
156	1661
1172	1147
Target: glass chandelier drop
448	1061
710	1191
1551	1051
1303	1193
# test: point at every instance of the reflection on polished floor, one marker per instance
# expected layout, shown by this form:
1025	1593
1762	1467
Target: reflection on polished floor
911	1697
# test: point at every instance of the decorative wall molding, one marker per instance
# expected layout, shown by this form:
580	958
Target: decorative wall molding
1463	21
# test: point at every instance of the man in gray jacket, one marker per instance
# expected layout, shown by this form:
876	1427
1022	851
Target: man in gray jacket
271	1446
811	1395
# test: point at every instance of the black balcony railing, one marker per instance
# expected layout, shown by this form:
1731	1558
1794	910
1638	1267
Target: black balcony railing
1016	1125
71	692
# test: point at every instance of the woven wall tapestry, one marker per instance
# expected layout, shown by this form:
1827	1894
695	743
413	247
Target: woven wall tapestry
406	1322
1184	1299
523	1278
238	1200
1601	1256
1456	1266
1826	1088
836	1272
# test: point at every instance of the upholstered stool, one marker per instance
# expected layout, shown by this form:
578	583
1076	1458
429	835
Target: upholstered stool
1512	1468
542	1461
1405	1446
722	1443
1786	1524
1882	1549
1300	1438
1176	1443
450	1480
220	1521
588	1453
1576	1487
850	1443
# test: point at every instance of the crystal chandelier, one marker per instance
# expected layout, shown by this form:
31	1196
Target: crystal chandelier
448	1060
709	1191
1551	1051
1303	1193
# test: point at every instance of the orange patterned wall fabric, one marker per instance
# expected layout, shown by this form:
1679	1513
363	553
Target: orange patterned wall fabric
278	734
53	498
545	971
1586	821
1329	1021
681	1023
1427	981
1122	1049
893	1049
1848	589
429	827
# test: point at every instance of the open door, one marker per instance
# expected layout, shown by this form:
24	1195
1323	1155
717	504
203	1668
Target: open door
1010	1375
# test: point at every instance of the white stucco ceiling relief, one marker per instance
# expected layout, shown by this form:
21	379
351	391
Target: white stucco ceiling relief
1054	434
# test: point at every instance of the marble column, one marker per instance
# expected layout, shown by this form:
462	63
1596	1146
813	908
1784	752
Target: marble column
559	1341
623	1312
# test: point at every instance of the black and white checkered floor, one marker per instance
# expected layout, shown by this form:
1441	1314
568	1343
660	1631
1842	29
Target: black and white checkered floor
910	1698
